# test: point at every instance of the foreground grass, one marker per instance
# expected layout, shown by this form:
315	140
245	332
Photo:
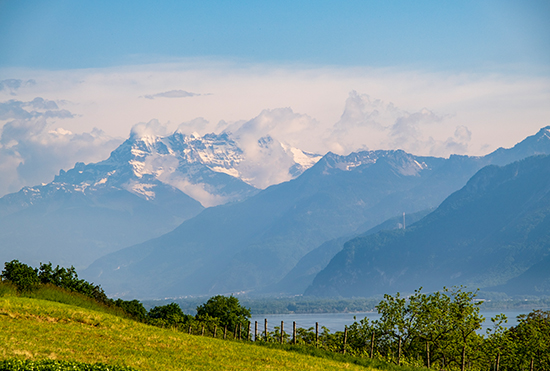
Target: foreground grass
39	329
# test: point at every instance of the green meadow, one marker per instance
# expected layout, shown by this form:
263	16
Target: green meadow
36	329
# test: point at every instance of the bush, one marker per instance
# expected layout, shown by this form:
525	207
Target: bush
169	315
227	310
21	275
51	365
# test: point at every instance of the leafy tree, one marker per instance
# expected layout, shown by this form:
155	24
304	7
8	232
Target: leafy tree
21	275
433	325
67	278
495	346
464	318
169	315
529	341
133	307
227	309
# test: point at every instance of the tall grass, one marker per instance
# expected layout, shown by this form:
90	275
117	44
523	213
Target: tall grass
56	294
7	289
38	329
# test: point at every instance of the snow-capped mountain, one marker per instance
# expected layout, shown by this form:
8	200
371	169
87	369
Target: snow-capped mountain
211	169
147	186
252	245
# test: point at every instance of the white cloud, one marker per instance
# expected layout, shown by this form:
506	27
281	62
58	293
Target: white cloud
310	108
149	129
33	149
12	85
172	94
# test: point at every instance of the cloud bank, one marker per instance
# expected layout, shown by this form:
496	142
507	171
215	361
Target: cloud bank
12	85
311	108
33	148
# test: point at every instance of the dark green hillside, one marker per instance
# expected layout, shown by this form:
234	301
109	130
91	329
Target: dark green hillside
492	230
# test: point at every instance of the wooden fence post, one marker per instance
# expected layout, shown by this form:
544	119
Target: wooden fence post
189	329
235	333
215	331
248	332
345	338
225	332
282	330
294	332
316	334
202	330
256	331
265	329
240	331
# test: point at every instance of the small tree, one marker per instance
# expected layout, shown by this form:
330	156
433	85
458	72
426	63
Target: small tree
21	275
169	315
227	309
133	307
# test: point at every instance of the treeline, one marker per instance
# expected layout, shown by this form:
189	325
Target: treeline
438	330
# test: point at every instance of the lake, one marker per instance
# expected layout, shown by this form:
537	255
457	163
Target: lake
337	321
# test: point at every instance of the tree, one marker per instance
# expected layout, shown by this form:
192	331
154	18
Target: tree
133	307
21	275
227	309
530	341
169	315
464	318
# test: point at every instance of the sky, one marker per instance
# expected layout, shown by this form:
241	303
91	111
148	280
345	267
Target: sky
430	77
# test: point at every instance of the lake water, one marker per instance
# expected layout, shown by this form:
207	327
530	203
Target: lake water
337	321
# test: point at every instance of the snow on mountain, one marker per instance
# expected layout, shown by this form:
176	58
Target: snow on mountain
211	169
399	161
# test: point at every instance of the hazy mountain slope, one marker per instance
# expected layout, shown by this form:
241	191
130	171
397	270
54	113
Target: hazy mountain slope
147	187
74	228
302	275
254	244
534	281
490	231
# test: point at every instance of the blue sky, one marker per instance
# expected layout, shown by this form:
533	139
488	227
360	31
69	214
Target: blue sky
429	77
424	34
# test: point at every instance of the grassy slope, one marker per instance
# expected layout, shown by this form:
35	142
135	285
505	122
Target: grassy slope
38	329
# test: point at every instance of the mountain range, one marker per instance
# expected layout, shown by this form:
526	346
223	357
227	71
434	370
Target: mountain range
251	245
493	234
147	187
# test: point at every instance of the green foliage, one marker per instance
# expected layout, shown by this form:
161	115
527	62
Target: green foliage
133	307
7	289
527	343
169	315
67	278
27	279
227	310
21	275
52	365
